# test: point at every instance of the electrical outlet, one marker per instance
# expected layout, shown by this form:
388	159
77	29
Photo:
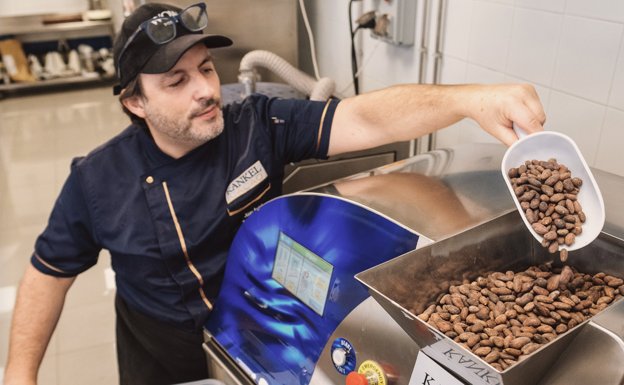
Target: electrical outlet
401	16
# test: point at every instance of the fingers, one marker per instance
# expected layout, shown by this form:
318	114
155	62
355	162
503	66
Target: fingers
507	136
526	119
526	111
532	101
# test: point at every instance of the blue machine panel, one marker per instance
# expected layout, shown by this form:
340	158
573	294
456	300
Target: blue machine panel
266	328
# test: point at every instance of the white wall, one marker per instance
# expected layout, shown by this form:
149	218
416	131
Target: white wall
572	51
37	7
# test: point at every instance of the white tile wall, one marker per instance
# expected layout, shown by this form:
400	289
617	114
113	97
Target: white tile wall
340	73
533	45
616	98
368	84
557	6
586	57
611	157
453	71
611	10
481	75
333	42
471	132
572	51
578	118
490	30
458	18
336	10
508	2
449	136
402	69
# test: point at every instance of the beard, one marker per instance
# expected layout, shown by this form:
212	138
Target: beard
186	128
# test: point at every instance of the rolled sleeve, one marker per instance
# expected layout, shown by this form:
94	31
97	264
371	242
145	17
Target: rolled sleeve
300	128
67	247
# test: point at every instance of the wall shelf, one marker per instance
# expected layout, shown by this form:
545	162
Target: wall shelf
31	29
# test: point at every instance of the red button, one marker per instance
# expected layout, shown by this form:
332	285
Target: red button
355	378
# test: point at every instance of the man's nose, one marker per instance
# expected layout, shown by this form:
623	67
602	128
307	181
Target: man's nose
204	88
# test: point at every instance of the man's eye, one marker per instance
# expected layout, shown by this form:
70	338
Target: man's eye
207	70
176	83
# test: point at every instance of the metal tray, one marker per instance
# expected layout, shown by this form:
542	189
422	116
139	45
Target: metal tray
405	285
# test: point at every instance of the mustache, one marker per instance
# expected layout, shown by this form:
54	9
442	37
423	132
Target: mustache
204	105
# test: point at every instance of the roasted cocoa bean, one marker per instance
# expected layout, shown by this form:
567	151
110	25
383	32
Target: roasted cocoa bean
484	351
518	343
526	298
486	314
491	357
539	228
553	283
553	247
567	185
532	321
554	178
550	236
562	210
530	348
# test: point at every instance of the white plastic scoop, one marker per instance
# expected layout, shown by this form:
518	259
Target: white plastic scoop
548	144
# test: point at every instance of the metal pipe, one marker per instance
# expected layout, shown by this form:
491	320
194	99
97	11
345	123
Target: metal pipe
437	63
437	66
422	75
424	43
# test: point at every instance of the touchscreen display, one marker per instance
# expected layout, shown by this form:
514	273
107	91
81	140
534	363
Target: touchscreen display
301	272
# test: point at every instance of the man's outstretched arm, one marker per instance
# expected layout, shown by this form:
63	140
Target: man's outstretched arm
37	309
406	112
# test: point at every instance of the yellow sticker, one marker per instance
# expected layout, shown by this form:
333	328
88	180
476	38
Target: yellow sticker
371	367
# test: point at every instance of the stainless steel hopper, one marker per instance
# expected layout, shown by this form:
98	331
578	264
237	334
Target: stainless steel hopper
593	352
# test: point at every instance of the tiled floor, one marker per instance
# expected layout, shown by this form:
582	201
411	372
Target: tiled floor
39	135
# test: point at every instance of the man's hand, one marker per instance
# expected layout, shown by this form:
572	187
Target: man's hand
496	107
405	112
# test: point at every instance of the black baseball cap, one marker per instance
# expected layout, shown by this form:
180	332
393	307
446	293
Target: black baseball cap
144	56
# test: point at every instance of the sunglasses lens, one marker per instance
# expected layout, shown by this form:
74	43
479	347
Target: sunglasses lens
194	18
161	30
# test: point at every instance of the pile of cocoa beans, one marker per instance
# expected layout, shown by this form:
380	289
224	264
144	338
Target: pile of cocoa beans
547	193
503	317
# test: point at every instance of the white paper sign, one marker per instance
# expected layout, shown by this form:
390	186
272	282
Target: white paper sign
428	372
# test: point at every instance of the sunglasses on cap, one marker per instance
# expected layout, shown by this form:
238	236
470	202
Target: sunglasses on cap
162	30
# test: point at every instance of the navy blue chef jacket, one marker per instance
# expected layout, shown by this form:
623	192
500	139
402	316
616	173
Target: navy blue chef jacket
168	223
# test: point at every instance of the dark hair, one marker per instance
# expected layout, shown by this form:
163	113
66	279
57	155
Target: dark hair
134	88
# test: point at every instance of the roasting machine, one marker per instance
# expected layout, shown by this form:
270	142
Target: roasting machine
327	282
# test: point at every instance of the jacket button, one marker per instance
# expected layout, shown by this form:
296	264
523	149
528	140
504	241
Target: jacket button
149	179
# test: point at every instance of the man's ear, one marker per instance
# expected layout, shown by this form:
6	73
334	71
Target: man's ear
136	105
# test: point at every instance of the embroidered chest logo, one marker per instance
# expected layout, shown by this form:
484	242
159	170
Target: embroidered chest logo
245	182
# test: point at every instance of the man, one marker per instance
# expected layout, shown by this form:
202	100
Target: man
167	195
